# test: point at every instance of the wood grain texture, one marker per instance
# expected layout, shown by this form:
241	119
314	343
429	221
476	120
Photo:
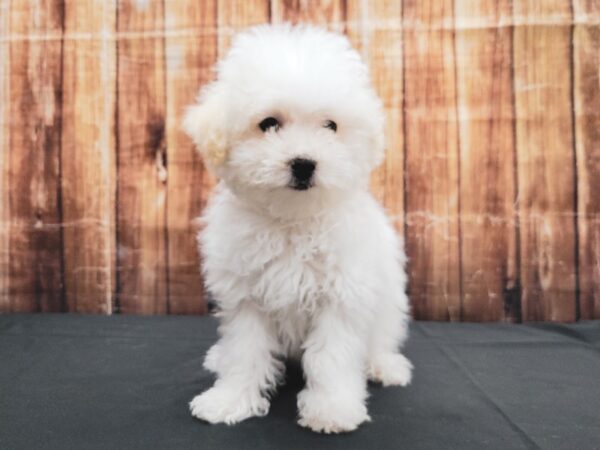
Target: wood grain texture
4	154
325	12
142	159
236	15
492	160
544	137
190	58
586	93
35	264
375	29
88	155
489	272
432	166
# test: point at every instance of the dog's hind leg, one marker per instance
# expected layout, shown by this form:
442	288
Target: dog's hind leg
386	364
247	366
213	356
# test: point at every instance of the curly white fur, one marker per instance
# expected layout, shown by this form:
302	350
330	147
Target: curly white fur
316	274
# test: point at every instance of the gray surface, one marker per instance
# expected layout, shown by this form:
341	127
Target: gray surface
124	382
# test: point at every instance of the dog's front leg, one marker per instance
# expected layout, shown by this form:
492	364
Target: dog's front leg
334	359
245	360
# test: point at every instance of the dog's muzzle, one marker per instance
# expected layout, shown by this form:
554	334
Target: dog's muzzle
302	173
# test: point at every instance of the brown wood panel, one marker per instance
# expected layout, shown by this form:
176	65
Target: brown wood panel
544	137
493	149
586	62
432	166
88	155
191	47
4	153
142	159
323	12
375	29
489	272
35	266
236	15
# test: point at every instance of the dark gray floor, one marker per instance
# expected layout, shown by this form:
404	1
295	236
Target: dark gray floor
124	382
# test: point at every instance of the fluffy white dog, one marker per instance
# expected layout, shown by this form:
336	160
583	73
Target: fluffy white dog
300	258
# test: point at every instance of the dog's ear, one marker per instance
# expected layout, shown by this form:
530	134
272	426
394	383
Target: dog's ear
205	123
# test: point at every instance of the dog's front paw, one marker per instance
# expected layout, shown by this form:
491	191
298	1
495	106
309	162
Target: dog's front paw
222	405
325	414
392	369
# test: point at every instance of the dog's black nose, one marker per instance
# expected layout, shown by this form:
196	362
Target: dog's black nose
302	169
302	172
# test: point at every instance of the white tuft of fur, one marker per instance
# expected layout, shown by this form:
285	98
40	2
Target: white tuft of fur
390	369
315	274
222	404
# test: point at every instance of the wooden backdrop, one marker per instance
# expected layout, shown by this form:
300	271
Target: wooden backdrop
492	170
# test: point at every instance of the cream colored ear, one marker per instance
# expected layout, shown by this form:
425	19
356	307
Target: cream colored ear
205	124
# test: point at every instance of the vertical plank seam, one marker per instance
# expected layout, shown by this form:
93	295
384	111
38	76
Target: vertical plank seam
269	11
116	307
516	202
404	146
111	240
59	194
458	174
165	158
576	255
8	183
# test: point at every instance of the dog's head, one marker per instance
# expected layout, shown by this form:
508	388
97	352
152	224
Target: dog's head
292	113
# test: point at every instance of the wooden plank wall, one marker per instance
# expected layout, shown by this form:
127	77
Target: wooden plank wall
33	207
586	99
546	178
492	168
5	304
88	152
189	62
488	237
432	169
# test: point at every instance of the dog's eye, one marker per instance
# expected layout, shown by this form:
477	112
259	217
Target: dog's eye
269	123
331	125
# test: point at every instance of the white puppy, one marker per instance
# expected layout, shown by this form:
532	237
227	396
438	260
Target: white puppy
300	258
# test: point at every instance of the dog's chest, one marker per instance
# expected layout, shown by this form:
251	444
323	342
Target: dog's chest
294	269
